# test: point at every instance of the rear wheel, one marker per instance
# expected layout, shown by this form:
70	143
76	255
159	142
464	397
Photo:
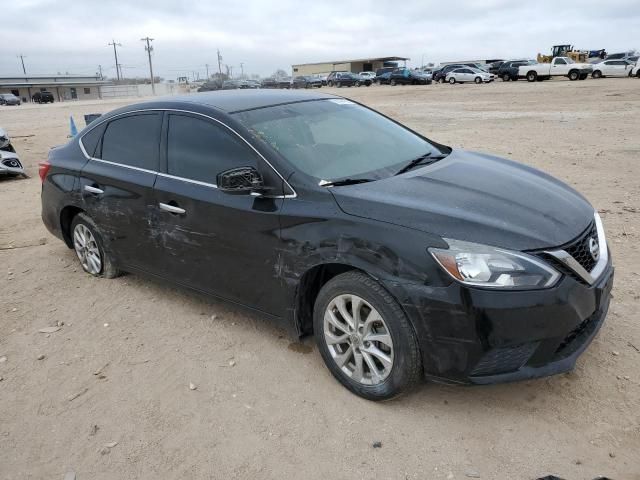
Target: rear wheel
574	75
89	248
532	76
365	338
452	80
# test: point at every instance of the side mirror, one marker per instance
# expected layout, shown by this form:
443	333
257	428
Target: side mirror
241	181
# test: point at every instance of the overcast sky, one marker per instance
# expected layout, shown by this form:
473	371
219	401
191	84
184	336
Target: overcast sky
72	36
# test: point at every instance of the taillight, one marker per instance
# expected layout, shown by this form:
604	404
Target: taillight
43	169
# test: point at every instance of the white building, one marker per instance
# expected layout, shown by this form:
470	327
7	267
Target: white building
63	87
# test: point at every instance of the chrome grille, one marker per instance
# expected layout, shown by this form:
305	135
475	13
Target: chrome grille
579	249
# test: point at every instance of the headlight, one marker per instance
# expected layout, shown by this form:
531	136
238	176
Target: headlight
492	267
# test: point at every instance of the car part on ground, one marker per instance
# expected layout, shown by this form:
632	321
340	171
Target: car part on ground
340	219
10	164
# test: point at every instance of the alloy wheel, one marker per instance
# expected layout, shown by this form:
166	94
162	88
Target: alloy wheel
87	249
358	339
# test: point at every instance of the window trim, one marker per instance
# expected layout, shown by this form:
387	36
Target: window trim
88	157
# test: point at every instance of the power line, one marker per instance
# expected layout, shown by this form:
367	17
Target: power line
115	53
149	49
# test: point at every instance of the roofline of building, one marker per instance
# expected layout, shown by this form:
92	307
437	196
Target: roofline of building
339	62
26	77
53	84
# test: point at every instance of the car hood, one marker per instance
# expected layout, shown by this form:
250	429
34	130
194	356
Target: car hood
477	198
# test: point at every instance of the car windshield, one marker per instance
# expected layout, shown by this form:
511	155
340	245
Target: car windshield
336	139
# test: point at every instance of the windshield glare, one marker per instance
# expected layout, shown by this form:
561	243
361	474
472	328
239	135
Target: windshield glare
336	139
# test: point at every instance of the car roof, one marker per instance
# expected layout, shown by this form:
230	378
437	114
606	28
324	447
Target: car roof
231	101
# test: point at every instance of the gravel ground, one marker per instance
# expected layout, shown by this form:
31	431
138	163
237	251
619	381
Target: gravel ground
120	368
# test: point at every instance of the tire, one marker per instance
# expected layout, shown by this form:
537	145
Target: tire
330	83
357	84
638	74
477	80
532	76
597	74
402	366
452	80
80	225
573	75
506	77
339	84
583	76
392	82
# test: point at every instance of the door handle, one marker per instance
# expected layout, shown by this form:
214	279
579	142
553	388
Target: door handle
90	189
172	209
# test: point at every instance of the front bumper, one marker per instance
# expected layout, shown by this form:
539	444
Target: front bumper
481	336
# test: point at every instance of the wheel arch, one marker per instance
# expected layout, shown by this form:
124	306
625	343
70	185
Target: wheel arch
67	214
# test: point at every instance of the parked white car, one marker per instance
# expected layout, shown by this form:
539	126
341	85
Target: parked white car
469	74
368	75
612	68
559	67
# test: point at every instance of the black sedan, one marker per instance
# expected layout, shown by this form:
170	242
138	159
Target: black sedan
347	79
406	76
306	82
404	257
509	69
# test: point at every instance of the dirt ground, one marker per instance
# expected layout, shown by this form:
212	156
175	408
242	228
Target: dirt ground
120	368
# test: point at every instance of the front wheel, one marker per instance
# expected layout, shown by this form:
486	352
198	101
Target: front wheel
452	80
596	74
506	77
89	248
365	338
478	80
392	82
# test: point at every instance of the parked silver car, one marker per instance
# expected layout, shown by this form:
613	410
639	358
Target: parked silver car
469	74
9	99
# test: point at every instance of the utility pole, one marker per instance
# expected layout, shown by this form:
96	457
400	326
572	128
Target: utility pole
219	63
115	54
21	57
100	70
241	69
149	49
207	65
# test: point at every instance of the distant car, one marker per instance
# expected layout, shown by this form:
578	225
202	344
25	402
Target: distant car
42	97
251	83
405	76
346	79
612	68
9	99
269	83
367	75
306	82
509	69
469	74
383	78
495	66
383	70
559	67
210	86
232	85
621	56
441	74
284	82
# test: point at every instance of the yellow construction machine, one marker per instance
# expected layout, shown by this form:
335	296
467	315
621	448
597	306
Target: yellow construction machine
564	51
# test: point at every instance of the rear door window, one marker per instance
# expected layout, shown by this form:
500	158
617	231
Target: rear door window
200	149
133	141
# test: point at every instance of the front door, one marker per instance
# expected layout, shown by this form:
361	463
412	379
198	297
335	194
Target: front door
117	185
74	93
216	242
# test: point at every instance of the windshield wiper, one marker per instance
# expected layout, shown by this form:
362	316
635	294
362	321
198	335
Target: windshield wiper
425	159
346	181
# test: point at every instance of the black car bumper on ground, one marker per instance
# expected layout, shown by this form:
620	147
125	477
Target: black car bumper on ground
481	336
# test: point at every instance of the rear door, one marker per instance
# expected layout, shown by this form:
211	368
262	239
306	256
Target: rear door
214	241
116	184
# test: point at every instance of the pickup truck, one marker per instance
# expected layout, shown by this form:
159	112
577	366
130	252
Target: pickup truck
559	67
